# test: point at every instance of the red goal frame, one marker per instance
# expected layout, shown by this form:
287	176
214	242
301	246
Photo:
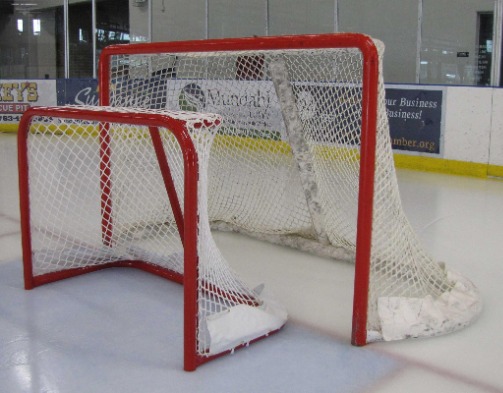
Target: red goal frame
370	83
187	221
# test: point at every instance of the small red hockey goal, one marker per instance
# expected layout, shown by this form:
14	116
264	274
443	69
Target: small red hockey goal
109	187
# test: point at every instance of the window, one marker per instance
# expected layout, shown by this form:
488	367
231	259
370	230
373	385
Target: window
27	40
427	41
456	44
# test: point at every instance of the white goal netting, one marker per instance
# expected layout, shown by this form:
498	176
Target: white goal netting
97	198
285	165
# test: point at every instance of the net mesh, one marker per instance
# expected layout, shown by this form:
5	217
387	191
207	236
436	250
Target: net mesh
65	173
298	187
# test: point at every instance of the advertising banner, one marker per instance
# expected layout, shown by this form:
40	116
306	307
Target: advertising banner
415	119
81	91
254	100
16	96
415	115
258	108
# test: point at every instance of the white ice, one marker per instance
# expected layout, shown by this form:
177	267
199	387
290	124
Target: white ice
120	330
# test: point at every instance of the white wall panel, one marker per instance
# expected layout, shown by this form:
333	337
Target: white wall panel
496	145
467	126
